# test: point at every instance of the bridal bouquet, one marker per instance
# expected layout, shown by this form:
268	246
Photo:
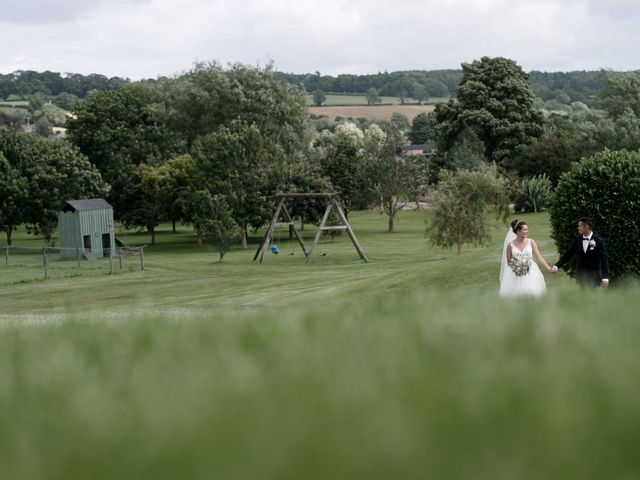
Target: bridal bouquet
520	264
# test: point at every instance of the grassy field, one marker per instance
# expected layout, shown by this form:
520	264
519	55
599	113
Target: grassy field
409	366
346	100
378	112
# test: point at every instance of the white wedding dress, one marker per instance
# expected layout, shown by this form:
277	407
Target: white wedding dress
531	284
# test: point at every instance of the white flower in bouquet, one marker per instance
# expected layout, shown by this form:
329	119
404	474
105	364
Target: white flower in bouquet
520	264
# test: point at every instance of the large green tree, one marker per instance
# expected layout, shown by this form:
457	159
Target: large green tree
119	131
37	177
424	129
495	100
246	167
209	96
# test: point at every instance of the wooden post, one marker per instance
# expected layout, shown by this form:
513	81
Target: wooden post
142	258
325	217
267	238
352	236
78	257
45	262
6	256
110	264
120	258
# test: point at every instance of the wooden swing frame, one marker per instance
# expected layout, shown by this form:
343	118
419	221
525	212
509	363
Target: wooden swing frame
331	201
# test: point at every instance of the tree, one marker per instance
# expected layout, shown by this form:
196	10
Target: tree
495	100
319	97
60	173
66	101
404	88
36	102
467	153
435	88
43	127
424	129
400	122
13	191
393	178
605	187
17	155
420	94
343	161
208	97
373	97
214	222
119	131
462	203
621	93
170	184
244	166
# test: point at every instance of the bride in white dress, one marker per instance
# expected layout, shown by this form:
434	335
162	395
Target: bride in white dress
527	280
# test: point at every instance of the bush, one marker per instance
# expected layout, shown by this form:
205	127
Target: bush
535	194
605	187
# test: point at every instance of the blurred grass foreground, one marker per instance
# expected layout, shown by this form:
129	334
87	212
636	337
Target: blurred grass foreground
434	381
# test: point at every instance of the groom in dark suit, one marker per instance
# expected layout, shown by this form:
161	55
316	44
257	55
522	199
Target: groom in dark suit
592	262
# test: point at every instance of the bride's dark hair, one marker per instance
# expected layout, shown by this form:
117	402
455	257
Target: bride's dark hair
517	225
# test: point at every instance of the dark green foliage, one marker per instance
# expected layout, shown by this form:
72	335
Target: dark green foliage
494	99
244	166
319	97
621	93
461	206
119	131
605	187
38	176
424	129
214	222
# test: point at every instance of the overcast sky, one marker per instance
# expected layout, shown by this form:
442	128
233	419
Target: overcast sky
148	38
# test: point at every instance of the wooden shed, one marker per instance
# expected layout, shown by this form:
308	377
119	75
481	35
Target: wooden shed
86	226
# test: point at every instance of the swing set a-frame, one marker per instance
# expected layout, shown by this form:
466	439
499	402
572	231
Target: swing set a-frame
332	203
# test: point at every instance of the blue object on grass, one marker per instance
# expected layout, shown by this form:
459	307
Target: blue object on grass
275	249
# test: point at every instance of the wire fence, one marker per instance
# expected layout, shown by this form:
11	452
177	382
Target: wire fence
22	264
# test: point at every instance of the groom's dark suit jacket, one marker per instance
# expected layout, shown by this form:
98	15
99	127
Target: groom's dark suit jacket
590	265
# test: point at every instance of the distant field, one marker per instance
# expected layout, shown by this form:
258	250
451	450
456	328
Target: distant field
380	112
14	103
361	100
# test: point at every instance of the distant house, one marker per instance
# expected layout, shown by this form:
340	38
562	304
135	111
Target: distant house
86	227
410	150
59	132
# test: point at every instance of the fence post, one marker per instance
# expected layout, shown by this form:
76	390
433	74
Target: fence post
6	256
45	261
142	258
120	258
110	263
78	257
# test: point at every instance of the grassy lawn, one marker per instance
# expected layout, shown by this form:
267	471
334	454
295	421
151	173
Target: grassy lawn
409	366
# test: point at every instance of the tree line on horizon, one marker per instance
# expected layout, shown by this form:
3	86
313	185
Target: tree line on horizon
563	87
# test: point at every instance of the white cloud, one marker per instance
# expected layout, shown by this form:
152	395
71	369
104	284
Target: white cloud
146	38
